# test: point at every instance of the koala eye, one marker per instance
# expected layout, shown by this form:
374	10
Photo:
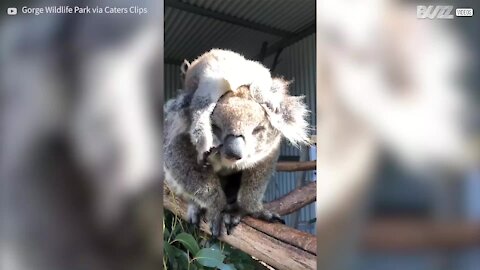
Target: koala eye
216	129
258	129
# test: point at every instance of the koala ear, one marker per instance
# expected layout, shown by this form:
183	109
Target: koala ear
184	67
183	70
290	116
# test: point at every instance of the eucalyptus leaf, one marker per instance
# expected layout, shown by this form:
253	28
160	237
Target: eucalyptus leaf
176	229
187	254
210	257
227	267
217	247
176	257
166	233
182	258
168	250
188	242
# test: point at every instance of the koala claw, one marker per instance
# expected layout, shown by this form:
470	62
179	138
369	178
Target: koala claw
278	219
194	214
215	227
203	157
231	221
204	148
269	216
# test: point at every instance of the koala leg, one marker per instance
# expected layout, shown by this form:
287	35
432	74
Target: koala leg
250	194
214	201
203	103
194	213
200	184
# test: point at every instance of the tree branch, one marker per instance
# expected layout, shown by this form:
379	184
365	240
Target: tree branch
294	200
293	166
413	234
284	233
263	243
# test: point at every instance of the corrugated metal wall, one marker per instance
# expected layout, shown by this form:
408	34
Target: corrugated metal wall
188	34
297	63
281	14
172	80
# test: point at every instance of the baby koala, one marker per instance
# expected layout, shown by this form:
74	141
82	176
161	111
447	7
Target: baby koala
248	136
212	75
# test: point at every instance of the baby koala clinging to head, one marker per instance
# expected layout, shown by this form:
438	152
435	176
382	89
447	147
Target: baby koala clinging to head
212	75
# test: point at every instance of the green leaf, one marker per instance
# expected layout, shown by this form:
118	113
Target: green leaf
226	267
209	257
240	259
216	247
168	249
188	242
166	234
177	257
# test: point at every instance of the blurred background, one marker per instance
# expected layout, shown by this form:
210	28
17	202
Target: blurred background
80	96
398	182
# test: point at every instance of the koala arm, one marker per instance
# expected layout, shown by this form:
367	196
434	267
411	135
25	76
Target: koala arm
209	91
254	183
199	184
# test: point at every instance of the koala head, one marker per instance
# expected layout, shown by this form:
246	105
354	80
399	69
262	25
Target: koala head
247	132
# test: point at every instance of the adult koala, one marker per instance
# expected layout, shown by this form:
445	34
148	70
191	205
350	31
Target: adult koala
209	77
248	134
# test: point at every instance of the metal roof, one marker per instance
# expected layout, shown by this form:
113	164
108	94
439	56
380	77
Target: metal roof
195	26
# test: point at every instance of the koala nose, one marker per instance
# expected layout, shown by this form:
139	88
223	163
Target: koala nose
234	147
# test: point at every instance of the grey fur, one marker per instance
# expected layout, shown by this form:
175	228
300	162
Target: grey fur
236	114
212	75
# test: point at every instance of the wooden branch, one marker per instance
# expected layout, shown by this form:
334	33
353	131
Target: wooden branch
294	200
414	234
249	238
294	166
284	233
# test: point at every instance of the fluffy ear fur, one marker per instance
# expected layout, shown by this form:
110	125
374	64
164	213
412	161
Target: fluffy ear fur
184	67
183	70
290	118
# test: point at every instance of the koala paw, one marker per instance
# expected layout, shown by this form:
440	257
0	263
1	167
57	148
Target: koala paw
231	220
202	158
204	147
194	213
268	216
216	226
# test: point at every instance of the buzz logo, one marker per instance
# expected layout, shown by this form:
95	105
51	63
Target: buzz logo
434	12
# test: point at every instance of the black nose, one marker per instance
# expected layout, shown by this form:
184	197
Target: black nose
234	147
